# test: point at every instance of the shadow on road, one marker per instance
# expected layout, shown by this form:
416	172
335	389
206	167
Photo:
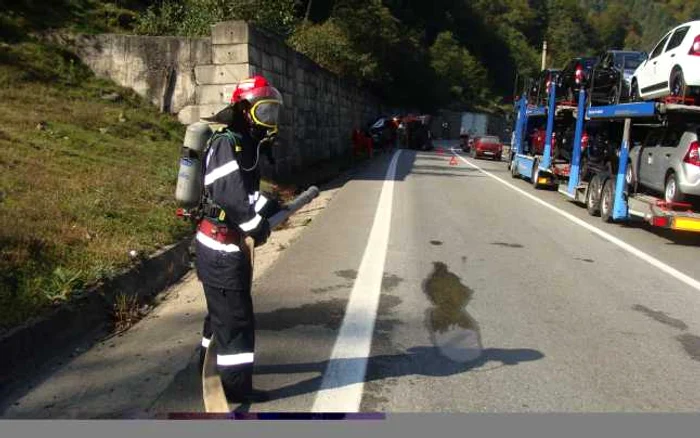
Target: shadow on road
417	361
452	174
376	169
674	237
433	168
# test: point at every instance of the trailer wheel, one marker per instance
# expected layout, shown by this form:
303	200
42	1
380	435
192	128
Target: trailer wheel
607	198
592	197
514	169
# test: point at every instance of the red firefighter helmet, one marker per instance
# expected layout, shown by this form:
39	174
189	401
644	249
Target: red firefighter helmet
264	99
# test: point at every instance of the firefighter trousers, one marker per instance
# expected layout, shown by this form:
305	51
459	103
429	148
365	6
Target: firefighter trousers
231	321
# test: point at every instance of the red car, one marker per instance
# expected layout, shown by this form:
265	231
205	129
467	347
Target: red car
487	146
537	141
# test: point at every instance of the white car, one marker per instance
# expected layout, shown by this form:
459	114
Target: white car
673	65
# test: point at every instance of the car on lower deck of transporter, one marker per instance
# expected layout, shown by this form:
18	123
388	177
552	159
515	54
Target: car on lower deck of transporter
668	162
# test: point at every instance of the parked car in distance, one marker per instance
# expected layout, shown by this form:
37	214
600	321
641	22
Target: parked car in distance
611	76
487	146
673	66
464	141
380	131
539	88
667	161
574	75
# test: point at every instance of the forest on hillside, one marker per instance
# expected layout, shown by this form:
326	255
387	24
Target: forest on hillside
430	54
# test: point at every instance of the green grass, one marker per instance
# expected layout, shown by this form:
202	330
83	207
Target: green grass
83	180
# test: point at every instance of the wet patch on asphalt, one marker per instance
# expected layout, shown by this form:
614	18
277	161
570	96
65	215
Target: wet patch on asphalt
384	325
335	287
327	313
691	344
661	317
348	274
387	303
584	260
390	282
508	245
453	331
376	386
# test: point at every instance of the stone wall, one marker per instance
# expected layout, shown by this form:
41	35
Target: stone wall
194	78
162	69
321	110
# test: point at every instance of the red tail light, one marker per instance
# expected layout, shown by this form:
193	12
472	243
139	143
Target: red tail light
695	48
660	221
579	74
693	155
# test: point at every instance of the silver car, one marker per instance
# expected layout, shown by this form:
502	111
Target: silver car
668	162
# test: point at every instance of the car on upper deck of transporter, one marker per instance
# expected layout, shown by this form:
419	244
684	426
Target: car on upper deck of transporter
611	76
673	66
538	93
574	76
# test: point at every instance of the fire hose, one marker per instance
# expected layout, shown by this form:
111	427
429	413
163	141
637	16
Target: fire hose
212	387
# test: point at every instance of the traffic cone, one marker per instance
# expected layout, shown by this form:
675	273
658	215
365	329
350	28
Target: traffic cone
453	161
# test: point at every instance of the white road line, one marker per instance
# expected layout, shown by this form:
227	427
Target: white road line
695	284
343	381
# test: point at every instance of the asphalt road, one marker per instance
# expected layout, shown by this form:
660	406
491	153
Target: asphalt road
392	292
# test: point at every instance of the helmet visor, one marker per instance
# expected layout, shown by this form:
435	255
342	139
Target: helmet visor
266	113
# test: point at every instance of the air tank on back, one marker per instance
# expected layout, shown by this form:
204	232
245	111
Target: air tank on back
189	178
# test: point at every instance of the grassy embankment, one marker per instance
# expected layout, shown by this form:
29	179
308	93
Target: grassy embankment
87	168
83	180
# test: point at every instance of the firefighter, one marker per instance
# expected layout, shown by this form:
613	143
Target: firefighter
233	209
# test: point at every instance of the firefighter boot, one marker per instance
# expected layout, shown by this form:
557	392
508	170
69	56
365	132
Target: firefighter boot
238	386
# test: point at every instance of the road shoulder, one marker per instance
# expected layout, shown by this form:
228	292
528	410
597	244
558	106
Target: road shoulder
121	376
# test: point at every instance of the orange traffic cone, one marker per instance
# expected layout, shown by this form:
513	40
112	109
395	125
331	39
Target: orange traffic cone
453	161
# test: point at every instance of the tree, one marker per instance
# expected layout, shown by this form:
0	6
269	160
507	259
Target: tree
570	33
329	46
613	25
195	17
462	73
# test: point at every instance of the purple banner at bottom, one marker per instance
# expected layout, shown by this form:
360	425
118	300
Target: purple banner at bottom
275	416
